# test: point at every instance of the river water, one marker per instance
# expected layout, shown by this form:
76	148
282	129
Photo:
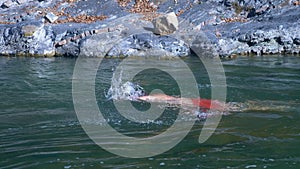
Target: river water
39	127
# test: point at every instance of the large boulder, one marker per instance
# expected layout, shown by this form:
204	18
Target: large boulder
165	24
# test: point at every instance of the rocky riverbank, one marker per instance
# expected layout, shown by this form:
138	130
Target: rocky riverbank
114	28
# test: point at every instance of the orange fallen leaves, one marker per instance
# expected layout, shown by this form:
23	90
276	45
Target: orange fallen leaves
123	3
143	6
234	19
82	19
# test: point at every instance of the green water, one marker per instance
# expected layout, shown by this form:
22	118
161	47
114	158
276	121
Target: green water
39	127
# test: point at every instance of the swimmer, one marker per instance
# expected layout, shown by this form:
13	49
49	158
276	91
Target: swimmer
214	105
186	102
134	92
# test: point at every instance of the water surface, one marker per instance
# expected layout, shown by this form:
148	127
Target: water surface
39	127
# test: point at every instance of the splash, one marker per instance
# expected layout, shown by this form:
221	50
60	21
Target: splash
124	91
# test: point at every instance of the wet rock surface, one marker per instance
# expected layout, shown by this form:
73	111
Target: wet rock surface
112	28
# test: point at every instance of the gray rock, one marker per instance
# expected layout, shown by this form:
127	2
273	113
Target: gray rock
51	17
165	24
151	45
297	41
98	45
21	1
29	30
245	38
202	47
27	39
256	50
271	47
70	49
43	45
285	40
8	4
227	47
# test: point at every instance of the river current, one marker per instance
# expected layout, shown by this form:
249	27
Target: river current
39	127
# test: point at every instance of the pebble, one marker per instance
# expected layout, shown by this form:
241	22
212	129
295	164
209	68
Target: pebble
7	4
51	17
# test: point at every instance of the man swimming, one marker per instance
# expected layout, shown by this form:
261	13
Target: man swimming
186	102
134	92
213	105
